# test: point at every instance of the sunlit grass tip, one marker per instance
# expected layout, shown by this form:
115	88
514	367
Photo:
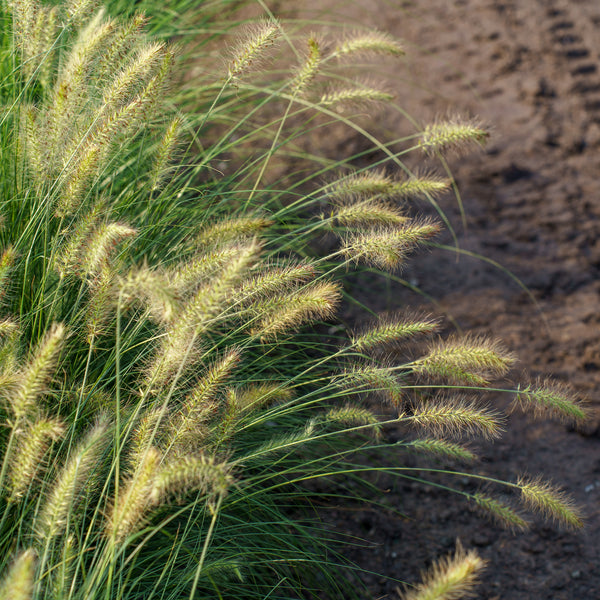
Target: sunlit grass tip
501	513
550	501
386	248
393	330
551	398
249	53
442	449
455	134
17	583
456	416
353	416
370	42
468	360
309	69
450	578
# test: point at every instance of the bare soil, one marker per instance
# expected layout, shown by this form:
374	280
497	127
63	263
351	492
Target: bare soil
531	69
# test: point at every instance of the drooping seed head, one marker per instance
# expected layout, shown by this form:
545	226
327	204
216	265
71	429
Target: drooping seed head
451	578
370	42
250	52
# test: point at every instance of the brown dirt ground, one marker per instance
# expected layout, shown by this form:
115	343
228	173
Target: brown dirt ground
531	69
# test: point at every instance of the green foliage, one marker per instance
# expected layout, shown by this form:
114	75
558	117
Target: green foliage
165	393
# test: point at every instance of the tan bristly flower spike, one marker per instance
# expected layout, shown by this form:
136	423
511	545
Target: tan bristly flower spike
27	458
129	511
135	73
360	95
125	38
229	230
468	360
249	52
501	513
442	448
187	277
456	417
308	71
377	184
371	42
387	248
551	502
370	378
205	308
391	331
78	180
78	10
354	416
369	213
7	261
163	163
451	578
191	474
315	301
60	504
101	244
187	426
255	397
151	287
455	134
67	260
17	583
34	378
103	300
275	281
550	397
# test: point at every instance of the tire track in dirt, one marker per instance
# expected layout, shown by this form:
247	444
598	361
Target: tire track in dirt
573	30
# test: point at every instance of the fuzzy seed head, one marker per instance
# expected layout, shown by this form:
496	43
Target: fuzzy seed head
377	184
101	246
33	441
17	583
34	378
308	71
256	397
468	360
315	301
456	417
187	427
61	502
184	475
165	154
250	52
553	399
369	213
355	416
551	502
128	512
501	513
443	449
371	42
373	379
387	248
229	230
391	331
274	281
151	288
452	578
363	95
455	134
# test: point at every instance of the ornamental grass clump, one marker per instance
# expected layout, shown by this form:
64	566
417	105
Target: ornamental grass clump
167	386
